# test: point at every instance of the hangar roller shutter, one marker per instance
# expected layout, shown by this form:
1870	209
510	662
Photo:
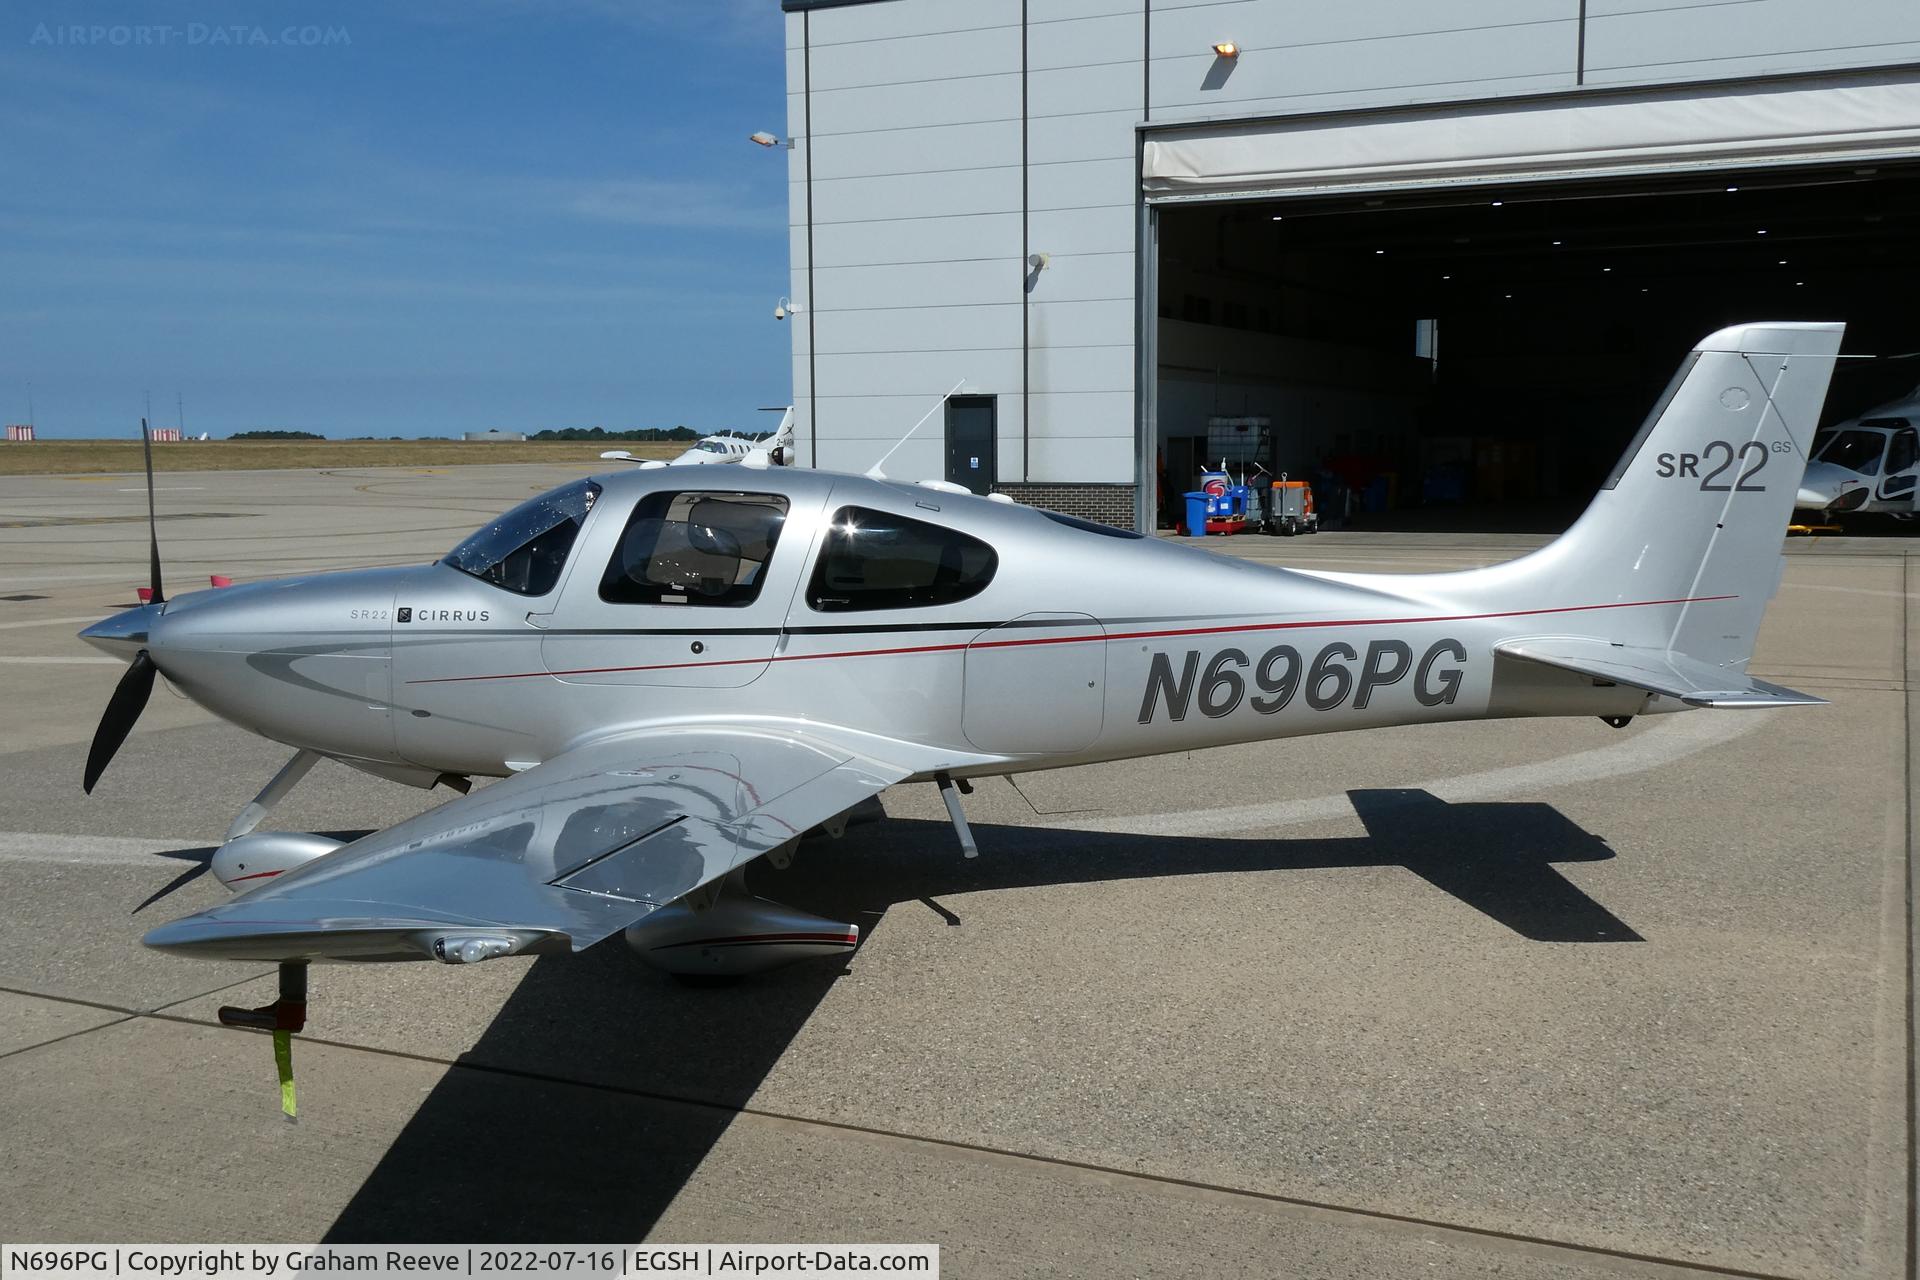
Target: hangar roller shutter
1857	117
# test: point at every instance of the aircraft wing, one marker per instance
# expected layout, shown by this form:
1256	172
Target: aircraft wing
551	859
1674	675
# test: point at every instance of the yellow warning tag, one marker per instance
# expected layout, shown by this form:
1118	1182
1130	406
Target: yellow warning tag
283	1061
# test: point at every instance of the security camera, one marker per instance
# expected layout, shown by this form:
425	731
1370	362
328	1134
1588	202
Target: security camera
784	308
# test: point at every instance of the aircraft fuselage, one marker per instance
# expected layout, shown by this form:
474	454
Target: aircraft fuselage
1082	647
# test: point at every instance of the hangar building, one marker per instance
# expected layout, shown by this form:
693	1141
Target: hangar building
1444	252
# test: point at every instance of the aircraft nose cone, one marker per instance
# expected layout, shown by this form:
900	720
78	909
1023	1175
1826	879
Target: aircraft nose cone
124	634
1820	485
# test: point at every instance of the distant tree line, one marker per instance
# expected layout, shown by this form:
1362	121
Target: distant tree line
601	433
562	433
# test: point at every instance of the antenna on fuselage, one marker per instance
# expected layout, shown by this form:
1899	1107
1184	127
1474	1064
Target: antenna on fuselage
874	472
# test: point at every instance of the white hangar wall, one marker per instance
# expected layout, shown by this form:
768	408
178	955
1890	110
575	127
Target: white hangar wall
937	145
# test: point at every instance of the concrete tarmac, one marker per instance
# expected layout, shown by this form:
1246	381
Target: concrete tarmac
1540	999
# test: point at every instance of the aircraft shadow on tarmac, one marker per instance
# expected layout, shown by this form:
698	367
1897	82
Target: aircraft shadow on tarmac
602	1085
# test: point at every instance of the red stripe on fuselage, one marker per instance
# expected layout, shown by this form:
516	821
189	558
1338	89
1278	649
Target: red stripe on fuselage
1079	639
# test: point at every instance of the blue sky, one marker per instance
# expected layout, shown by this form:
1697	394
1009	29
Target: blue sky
463	214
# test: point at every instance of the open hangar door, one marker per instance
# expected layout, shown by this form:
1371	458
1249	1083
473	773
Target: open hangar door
1496	351
1479	346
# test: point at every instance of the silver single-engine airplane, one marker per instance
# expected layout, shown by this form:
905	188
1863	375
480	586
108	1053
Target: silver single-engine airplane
679	673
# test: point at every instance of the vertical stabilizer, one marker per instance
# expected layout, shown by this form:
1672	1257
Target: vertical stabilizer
1688	528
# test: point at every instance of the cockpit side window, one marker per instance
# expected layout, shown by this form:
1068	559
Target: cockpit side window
1901	450
878	560
1854	449
695	549
525	550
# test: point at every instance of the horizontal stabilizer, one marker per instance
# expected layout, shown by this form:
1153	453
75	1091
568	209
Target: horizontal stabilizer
1673	675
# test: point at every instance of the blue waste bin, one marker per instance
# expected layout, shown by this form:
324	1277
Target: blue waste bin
1197	515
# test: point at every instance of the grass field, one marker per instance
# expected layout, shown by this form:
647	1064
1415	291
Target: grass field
83	457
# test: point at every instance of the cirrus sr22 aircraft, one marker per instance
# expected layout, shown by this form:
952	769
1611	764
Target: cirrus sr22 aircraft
677	673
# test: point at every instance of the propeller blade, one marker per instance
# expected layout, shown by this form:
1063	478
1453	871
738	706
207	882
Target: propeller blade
128	701
199	862
153	527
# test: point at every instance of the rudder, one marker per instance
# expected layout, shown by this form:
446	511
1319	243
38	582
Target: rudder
1695	512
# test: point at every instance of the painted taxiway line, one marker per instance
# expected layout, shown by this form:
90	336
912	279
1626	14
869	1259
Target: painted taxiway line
1852	591
61	662
49	622
1679	735
122	851
130	574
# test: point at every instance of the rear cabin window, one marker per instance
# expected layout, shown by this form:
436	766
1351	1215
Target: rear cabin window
878	560
695	549
1089	526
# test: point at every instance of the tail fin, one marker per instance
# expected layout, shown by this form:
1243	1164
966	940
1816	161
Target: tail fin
1689	525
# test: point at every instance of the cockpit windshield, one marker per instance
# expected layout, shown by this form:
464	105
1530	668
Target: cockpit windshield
711	446
524	550
1857	451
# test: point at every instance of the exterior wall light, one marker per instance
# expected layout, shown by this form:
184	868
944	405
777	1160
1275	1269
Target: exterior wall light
765	139
1227	49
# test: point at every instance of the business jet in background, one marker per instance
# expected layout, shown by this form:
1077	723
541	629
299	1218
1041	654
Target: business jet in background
775	450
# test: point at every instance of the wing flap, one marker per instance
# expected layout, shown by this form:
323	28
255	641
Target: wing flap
1673	675
560	855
